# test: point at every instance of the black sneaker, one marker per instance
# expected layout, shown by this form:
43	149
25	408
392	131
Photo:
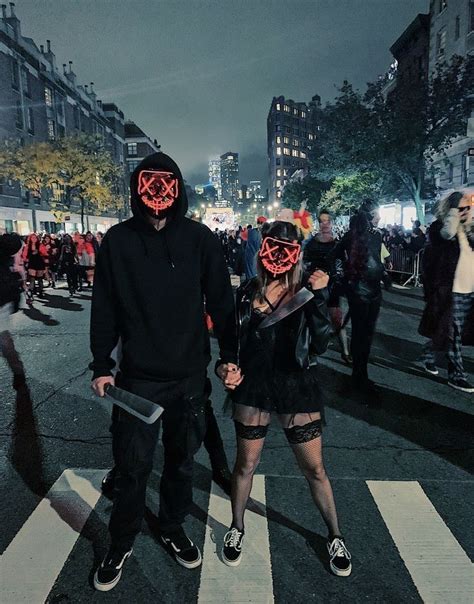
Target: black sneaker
183	550
460	384
430	368
108	483
339	557
222	477
109	572
232	548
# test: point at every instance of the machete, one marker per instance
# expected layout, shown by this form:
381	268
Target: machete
140	407
298	300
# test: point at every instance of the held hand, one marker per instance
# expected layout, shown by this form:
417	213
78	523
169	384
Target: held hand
98	385
230	374
318	280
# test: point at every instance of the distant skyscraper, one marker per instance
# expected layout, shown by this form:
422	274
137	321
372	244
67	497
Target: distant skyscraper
230	177
215	176
291	130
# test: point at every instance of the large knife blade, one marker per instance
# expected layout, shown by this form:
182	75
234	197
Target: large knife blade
298	300
138	406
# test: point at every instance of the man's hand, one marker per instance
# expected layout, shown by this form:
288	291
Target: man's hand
230	374
318	280
98	385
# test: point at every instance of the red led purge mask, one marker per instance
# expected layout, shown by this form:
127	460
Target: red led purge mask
279	256
158	190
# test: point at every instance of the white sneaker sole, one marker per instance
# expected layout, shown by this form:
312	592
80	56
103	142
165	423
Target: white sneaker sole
431	372
182	562
470	390
108	586
340	573
231	562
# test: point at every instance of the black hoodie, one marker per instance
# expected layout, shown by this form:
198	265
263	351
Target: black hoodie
149	290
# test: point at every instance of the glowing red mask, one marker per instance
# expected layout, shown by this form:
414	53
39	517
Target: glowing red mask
279	256
157	190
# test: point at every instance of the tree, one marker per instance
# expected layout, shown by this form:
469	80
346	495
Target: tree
349	190
310	189
33	166
88	174
79	166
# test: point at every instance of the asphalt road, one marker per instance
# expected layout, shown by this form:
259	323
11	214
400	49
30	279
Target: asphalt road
420	435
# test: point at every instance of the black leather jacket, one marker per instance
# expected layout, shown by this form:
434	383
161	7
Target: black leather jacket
306	330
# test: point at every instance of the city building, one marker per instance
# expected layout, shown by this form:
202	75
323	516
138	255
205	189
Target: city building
215	176
138	145
291	128
230	178
452	33
41	102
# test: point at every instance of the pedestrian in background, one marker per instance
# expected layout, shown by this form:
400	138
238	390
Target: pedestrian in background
360	251
448	280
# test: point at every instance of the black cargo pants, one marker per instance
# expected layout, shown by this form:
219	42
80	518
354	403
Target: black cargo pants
133	443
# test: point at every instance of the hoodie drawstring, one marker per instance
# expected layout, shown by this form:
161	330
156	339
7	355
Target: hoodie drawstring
168	253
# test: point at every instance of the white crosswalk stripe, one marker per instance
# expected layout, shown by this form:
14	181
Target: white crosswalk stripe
33	560
440	569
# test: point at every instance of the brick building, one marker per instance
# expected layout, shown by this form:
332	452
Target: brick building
40	102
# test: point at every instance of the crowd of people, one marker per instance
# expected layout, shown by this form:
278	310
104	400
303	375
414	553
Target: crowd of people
269	336
43	259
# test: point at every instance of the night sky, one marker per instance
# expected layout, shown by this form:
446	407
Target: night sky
200	75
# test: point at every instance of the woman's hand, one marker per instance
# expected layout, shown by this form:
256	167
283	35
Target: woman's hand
318	280
230	375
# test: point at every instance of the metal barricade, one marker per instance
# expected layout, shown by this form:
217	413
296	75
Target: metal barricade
406	262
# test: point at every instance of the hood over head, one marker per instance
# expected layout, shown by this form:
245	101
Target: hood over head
157	188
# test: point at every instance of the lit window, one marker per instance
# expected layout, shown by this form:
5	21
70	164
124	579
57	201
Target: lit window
278	183
310	136
303	114
278	107
278	150
51	130
132	148
286	108
296	142
278	140
302	155
48	96
286	140
278	193
295	111
286	151
279	172
294	153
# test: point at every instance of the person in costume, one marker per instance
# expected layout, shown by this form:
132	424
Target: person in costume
153	273
317	254
283	324
34	255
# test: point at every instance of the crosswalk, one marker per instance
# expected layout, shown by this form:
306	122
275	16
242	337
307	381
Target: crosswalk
425	550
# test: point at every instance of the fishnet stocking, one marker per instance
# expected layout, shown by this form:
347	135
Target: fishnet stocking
309	456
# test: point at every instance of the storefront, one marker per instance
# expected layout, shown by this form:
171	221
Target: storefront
15	220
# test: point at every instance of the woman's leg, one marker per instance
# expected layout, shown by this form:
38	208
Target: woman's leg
251	426
303	432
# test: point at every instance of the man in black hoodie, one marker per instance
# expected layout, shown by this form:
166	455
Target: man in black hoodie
152	275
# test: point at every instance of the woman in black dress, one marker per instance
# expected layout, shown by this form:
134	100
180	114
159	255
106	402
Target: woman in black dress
34	254
279	376
68	263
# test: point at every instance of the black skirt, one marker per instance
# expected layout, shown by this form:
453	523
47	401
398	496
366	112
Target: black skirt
272	380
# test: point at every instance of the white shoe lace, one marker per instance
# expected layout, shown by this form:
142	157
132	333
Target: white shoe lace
232	538
338	549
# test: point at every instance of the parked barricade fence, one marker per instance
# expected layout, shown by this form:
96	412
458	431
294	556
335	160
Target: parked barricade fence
406	262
